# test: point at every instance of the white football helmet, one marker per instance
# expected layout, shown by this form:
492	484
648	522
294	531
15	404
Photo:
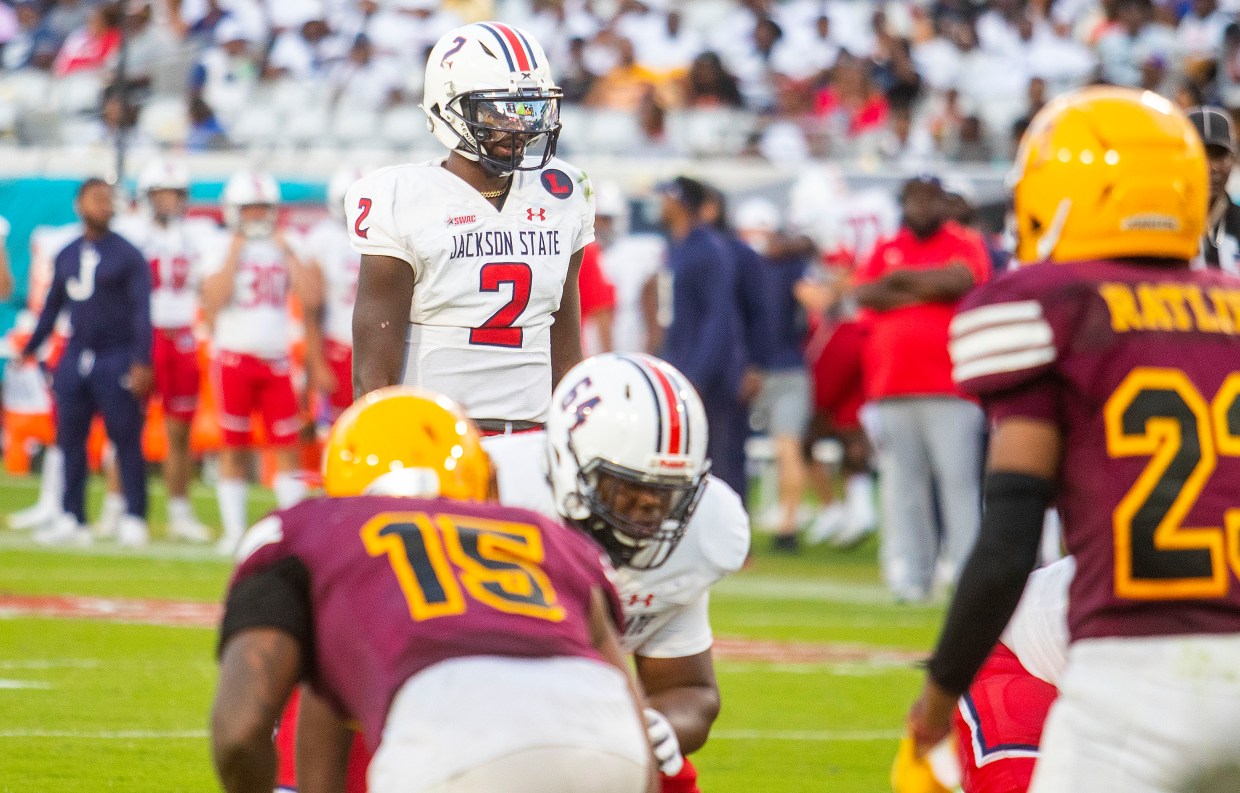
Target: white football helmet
251	188
489	95
626	453
163	174
339	184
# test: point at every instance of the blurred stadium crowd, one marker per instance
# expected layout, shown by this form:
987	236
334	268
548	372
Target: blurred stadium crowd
908	83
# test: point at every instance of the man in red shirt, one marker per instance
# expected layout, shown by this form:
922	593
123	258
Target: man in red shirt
926	434
598	303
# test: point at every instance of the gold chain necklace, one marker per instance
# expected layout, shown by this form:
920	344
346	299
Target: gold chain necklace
494	193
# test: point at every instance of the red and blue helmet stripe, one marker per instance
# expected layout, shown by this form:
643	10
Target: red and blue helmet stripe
672	430
515	46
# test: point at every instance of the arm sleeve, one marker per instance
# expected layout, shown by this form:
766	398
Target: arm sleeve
140	306
371	221
994	577
54	302
276	597
687	633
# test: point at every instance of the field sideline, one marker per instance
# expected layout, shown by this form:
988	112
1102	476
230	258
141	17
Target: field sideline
816	666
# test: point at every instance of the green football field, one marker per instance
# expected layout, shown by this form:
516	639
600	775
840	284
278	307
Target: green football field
816	665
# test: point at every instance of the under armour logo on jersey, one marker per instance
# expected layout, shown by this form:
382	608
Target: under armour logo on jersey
82	286
530	214
646	600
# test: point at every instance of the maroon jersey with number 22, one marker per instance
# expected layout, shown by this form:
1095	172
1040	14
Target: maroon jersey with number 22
1139	366
397	585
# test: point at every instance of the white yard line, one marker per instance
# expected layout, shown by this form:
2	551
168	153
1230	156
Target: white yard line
14	685
762	587
817	736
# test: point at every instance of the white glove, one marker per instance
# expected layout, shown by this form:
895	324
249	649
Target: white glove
663	743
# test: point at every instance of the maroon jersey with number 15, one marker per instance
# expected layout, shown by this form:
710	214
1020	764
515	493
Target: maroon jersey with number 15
395	585
1139	366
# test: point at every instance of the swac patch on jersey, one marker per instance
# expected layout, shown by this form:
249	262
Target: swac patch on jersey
557	183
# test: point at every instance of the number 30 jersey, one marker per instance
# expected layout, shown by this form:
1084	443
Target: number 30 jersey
1139	366
378	588
256	321
487	281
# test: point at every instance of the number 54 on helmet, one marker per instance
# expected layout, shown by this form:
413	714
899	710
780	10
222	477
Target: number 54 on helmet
1109	172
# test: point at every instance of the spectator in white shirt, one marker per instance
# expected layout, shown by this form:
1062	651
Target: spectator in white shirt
902	142
306	53
363	81
1136	45
671	48
1200	34
226	74
804	54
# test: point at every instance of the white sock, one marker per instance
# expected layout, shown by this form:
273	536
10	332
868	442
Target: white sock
113	504
289	489
859	496
179	509
52	487
232	497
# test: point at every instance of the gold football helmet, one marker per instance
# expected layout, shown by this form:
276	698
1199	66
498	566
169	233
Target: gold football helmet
408	442
1108	172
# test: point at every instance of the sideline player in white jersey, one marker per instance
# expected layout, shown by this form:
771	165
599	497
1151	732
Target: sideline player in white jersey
468	282
624	459
331	288
245	294
175	247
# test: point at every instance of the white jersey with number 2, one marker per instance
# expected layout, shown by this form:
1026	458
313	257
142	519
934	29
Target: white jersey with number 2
487	281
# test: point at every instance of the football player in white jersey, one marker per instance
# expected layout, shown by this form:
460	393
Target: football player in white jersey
624	459
245	294
331	288
175	246
468	282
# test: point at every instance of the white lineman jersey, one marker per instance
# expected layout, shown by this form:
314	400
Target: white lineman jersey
176	253
256	321
487	281
327	247
666	610
1038	631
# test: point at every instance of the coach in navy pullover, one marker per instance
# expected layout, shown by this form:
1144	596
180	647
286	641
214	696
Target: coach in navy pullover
706	337
105	284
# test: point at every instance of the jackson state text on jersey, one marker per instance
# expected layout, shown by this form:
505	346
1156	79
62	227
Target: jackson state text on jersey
1137	364
487	281
666	610
398	585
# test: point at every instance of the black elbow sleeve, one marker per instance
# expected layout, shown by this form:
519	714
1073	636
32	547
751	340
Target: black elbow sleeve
994	577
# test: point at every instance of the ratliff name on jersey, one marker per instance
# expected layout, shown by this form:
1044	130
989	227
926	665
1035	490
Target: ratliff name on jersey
505	243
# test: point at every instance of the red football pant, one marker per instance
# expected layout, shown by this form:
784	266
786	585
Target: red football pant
684	782
286	745
340	361
174	357
998	725
243	384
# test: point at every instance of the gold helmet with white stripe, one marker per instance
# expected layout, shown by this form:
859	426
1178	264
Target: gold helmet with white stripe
1108	172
